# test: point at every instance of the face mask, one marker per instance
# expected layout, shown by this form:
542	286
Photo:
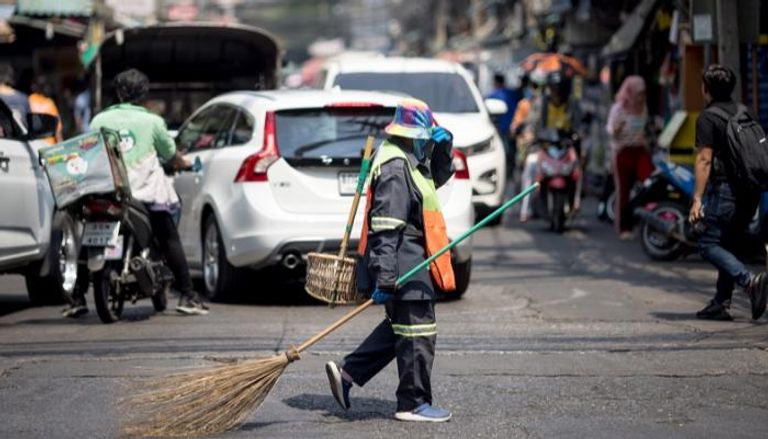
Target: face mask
420	148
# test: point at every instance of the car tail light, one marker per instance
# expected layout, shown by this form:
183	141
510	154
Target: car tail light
460	165
255	166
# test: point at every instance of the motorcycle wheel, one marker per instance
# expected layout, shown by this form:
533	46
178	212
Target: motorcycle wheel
160	299
557	218
107	294
657	246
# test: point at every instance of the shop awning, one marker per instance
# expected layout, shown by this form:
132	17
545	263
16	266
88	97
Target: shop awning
58	8
624	39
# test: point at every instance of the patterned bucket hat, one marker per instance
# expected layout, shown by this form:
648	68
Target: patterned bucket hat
413	119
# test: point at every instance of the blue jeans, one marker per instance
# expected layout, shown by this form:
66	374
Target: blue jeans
726	219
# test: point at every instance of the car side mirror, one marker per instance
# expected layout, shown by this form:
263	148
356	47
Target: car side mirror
40	126
496	107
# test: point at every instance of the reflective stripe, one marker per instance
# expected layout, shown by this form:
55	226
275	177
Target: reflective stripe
382	223
415	330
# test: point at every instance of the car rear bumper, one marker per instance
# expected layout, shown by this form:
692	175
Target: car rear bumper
257	233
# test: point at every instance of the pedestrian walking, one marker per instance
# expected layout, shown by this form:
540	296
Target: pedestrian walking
630	155
724	201
16	101
403	226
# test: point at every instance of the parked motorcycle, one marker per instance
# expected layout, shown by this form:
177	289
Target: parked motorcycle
559	173
661	209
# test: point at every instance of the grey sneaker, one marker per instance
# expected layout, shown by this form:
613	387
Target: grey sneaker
191	305
339	386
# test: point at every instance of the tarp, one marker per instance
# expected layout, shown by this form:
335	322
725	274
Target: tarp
68	8
624	39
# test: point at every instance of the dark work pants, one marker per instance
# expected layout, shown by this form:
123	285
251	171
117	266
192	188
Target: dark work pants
167	237
408	333
726	219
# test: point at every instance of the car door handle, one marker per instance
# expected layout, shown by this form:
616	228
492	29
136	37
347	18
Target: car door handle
5	163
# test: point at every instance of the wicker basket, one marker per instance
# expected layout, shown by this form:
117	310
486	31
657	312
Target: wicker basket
332	279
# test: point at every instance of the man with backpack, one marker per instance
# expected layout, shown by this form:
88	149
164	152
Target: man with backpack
731	173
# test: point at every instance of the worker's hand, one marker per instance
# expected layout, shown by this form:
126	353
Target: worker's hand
381	297
697	211
440	135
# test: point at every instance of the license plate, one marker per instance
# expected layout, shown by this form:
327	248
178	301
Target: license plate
103	234
347	183
115	251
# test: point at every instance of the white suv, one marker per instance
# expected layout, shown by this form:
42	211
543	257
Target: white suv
278	172
456	102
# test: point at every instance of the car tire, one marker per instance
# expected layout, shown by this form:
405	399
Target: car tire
482	212
462	272
65	276
220	278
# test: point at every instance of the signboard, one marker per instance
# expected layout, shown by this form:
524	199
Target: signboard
77	8
703	30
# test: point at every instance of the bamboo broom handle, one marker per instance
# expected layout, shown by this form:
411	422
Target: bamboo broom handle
356	200
352	314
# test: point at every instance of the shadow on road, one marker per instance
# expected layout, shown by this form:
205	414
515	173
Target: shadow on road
365	408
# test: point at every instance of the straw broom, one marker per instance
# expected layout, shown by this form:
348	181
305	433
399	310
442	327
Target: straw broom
212	401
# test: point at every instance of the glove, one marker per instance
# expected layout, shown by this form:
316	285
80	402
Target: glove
381	297
440	135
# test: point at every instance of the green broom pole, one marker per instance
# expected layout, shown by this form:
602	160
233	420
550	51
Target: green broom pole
362	307
514	200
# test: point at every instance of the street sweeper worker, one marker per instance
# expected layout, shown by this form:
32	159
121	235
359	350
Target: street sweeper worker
402	228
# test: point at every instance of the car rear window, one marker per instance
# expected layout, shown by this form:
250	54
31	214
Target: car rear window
443	92
311	136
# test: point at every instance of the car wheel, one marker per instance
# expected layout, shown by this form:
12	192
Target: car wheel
482	212
219	276
462	272
65	276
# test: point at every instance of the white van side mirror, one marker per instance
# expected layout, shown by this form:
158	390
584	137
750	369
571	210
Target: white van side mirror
496	107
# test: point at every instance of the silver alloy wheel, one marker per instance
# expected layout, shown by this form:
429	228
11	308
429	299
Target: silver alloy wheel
211	257
68	260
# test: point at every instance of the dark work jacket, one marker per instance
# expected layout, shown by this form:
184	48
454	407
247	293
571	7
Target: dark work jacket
392	253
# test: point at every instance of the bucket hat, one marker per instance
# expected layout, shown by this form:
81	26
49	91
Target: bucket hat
413	119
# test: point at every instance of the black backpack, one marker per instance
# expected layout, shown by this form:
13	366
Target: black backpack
745	157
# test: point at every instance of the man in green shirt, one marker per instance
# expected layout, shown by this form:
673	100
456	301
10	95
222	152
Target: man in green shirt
143	139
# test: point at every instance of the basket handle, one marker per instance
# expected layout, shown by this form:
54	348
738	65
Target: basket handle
364	168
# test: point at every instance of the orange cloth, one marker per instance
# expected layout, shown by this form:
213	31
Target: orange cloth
39	103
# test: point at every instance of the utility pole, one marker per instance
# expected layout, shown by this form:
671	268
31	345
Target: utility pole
728	53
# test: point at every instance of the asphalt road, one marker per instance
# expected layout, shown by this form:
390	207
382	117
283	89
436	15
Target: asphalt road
559	336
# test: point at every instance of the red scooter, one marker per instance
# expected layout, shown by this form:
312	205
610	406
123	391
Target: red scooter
560	176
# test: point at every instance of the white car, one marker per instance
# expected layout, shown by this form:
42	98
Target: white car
279	169
456	102
35	240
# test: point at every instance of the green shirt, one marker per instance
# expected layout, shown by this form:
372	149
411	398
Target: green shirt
142	133
143	137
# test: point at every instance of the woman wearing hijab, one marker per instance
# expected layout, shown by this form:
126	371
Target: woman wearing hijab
631	159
